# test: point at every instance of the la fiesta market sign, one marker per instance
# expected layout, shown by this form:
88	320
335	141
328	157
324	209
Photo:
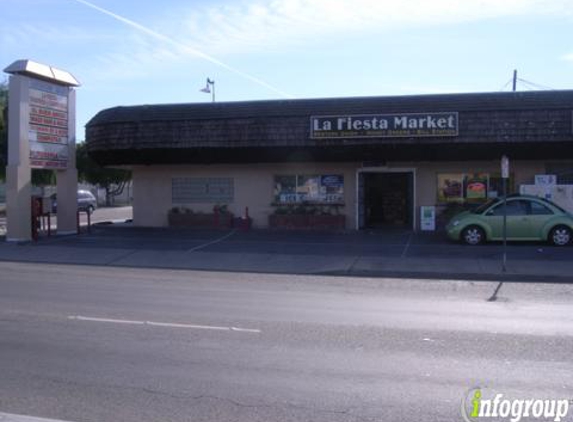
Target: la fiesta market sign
384	125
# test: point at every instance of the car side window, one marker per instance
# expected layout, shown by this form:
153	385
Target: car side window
540	209
517	207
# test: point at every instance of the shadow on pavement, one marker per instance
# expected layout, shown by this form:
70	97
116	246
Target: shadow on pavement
400	254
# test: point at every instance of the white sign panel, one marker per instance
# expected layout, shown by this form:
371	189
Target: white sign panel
545	179
505	167
48	155
48	125
428	218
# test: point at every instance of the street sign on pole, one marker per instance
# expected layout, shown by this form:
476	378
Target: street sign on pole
505	176
505	167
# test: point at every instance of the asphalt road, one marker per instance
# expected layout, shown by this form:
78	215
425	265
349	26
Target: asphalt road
82	343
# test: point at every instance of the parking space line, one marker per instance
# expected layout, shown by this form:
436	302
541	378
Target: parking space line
405	251
213	242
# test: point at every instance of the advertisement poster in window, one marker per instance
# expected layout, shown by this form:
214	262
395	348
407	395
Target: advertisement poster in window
285	189
325	188
308	188
450	187
332	188
476	187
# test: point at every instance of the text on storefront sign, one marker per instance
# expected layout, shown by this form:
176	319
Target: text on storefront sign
385	125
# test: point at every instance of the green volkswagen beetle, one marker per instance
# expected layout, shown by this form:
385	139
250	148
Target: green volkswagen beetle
528	218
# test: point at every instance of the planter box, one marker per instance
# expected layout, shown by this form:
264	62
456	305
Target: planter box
193	220
304	221
242	223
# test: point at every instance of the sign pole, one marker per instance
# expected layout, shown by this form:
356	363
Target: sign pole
505	176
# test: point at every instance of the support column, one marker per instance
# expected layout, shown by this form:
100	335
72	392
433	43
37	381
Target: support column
67	185
18	204
18	172
67	180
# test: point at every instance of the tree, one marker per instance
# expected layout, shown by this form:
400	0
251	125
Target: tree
112	180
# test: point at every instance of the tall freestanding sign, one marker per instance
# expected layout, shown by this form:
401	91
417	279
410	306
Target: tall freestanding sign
41	134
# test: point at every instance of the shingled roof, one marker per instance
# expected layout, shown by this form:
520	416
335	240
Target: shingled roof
279	130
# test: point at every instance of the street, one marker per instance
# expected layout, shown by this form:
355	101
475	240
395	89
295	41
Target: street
93	343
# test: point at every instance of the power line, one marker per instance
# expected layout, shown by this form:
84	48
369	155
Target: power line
506	84
527	84
535	85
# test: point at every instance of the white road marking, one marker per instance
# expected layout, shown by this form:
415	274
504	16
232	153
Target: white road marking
196	248
163	324
175	325
9	417
405	251
116	321
245	330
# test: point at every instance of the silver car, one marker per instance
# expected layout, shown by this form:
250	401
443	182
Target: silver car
86	201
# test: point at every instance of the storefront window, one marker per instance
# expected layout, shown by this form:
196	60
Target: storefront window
450	187
495	185
285	189
475	187
471	188
311	188
186	190
308	188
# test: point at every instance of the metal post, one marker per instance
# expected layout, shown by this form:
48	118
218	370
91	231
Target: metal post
504	176
504	264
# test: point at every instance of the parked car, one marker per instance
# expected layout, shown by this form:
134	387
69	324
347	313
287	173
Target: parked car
528	218
86	201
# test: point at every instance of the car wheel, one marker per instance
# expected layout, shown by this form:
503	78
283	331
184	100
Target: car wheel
560	235
91	209
473	235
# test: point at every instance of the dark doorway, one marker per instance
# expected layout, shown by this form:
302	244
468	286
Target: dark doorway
388	200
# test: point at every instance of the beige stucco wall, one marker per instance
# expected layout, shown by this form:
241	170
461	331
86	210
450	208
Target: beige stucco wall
253	184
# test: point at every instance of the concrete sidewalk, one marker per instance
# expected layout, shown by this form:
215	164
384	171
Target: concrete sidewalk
394	254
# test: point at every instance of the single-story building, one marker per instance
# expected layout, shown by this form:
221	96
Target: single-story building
373	160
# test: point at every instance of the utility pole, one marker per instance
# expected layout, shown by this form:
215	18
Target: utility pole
515	80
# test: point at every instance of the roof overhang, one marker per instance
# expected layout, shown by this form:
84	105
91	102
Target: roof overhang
42	71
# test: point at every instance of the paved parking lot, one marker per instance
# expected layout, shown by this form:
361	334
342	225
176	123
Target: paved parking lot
394	243
102	214
373	254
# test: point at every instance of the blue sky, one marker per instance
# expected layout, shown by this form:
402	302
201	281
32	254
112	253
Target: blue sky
145	52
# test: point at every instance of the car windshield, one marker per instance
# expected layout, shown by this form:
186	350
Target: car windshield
485	206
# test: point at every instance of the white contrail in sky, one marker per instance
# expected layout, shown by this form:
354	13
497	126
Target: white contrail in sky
191	50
